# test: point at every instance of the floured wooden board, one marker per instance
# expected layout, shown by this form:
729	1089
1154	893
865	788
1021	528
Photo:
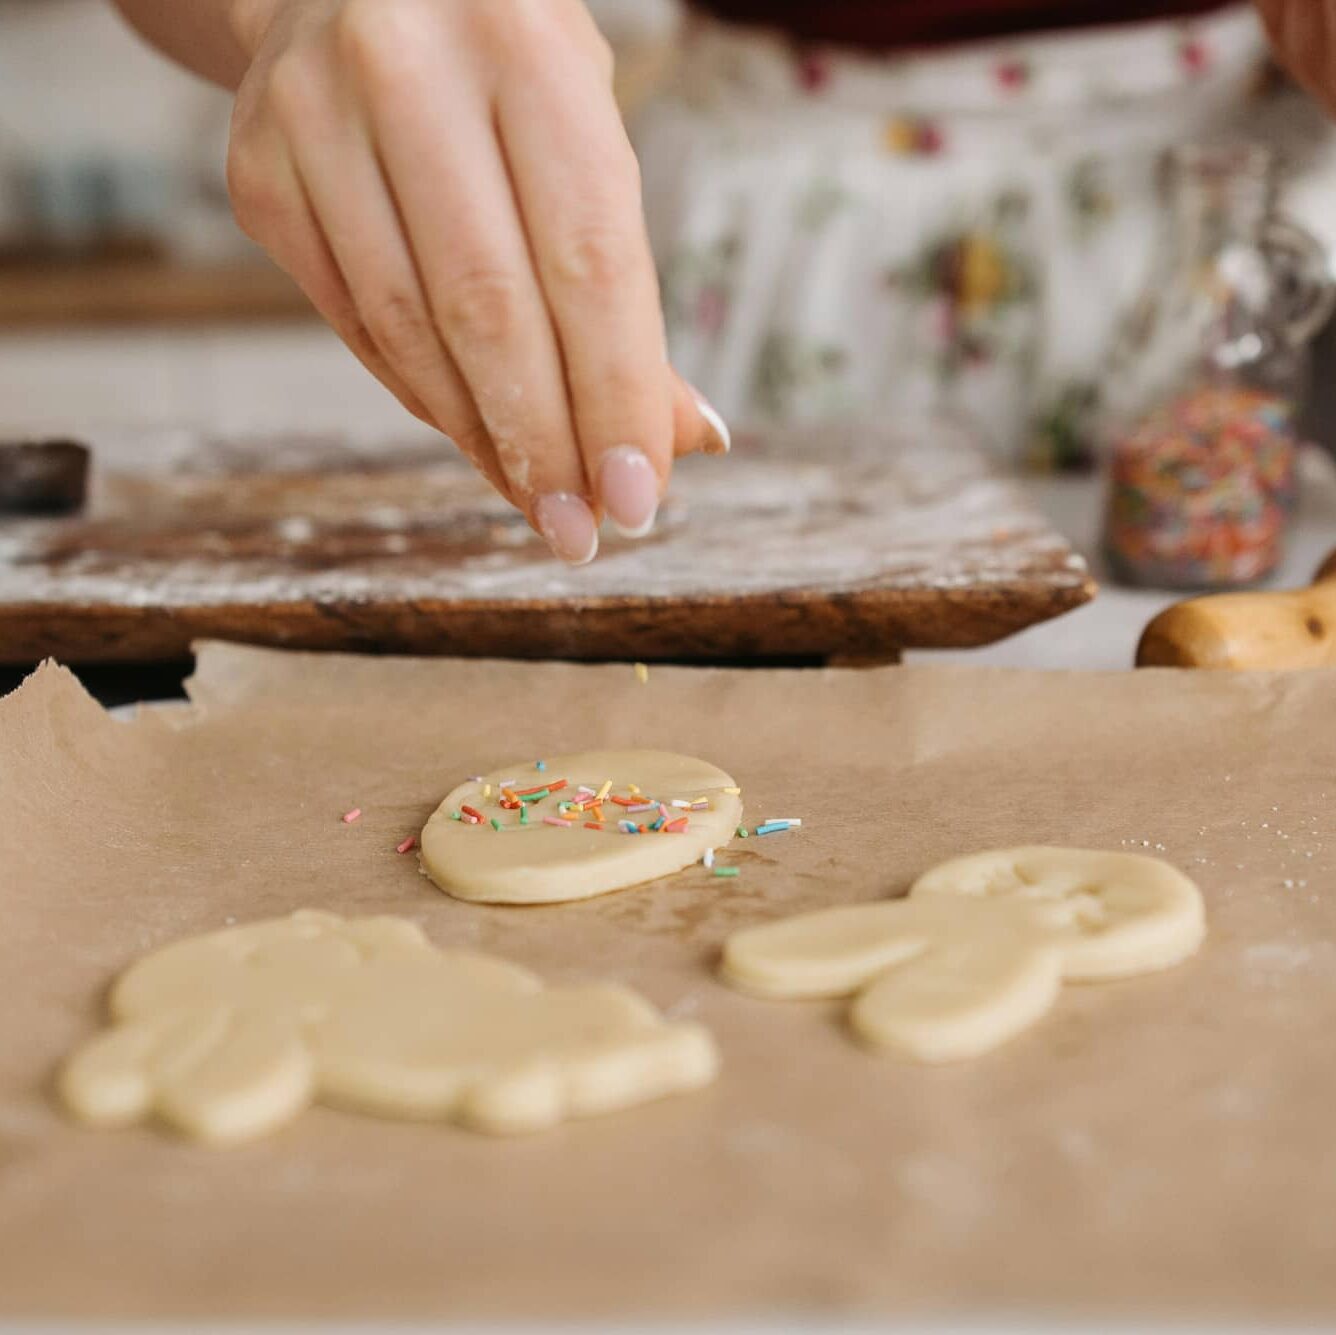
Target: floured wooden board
1154	1147
860	546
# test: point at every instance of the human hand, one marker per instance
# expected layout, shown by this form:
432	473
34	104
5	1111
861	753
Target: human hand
1303	33
450	183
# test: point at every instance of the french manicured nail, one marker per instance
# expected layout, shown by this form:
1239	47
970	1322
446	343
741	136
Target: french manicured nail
716	424
568	525
629	488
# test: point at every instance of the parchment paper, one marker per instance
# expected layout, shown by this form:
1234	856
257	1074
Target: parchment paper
1163	1144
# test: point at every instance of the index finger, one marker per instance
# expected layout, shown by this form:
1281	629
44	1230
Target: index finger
577	182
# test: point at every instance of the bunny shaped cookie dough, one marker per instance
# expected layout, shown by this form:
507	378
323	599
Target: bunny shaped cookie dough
230	1035
979	948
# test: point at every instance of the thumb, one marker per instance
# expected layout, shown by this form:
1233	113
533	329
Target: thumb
697	427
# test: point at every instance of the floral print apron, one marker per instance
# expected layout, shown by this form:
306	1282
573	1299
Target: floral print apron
954	232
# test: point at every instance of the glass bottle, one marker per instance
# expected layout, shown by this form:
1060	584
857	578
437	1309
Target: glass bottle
1206	379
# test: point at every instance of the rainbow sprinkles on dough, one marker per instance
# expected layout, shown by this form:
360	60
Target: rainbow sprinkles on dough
584	825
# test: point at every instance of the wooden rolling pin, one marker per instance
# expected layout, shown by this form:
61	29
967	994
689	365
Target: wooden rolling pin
1290	628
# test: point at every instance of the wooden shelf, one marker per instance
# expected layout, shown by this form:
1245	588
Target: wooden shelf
145	291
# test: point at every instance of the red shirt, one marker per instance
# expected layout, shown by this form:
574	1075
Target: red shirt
891	24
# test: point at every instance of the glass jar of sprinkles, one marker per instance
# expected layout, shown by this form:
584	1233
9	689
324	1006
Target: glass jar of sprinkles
1207	379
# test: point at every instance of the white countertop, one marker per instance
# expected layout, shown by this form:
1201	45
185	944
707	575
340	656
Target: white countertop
1104	633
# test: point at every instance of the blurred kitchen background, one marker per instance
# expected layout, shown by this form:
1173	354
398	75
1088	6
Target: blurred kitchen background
114	214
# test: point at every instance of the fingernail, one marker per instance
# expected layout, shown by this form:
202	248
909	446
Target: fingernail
629	487
716	423
568	525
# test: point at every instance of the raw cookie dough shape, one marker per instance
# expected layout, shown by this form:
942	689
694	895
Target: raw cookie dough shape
979	948
538	864
230	1035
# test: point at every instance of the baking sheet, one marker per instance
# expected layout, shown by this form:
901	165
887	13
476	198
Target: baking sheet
1161	1145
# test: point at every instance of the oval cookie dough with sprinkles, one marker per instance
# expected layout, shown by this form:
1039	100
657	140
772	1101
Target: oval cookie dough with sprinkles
583	825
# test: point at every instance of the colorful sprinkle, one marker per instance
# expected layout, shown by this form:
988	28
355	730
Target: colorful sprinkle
642	673
408	844
540	765
1201	489
350	816
585	807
